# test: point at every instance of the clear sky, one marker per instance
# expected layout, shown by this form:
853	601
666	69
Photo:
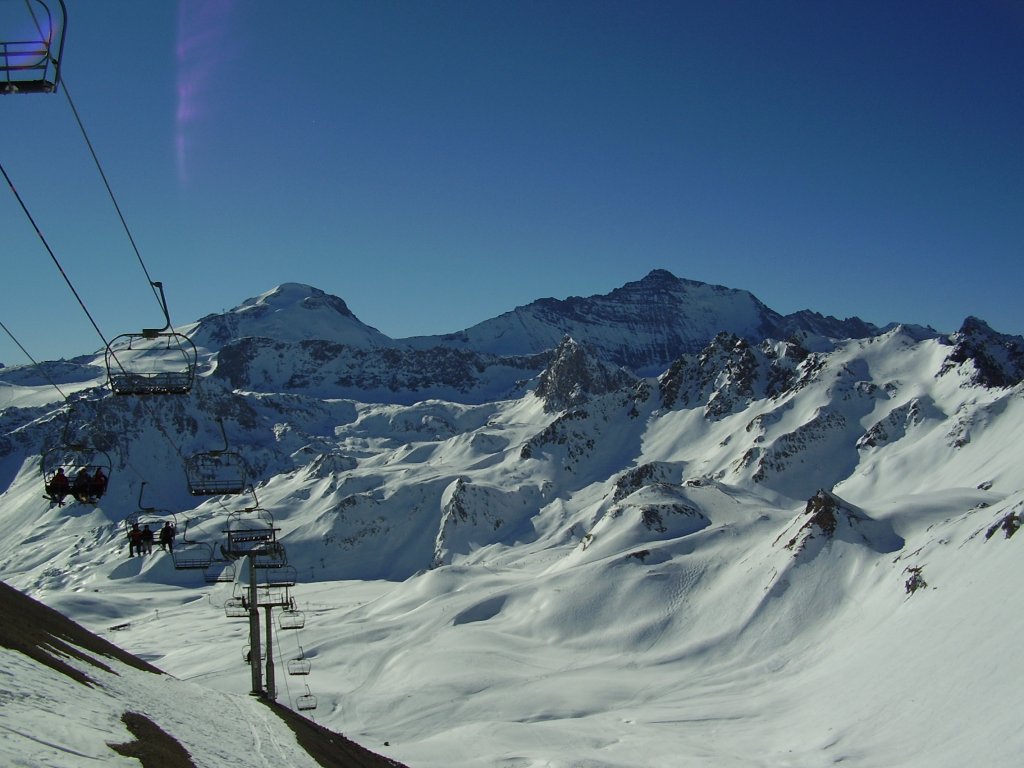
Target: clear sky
436	163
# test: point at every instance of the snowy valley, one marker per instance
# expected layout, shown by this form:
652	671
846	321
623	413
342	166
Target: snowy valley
666	526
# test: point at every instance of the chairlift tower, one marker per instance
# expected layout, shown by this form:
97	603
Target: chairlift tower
267	584
266	595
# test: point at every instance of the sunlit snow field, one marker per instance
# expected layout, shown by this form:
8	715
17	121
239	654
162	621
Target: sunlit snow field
569	619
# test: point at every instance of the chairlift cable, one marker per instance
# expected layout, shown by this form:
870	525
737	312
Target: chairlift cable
53	256
78	297
281	663
110	191
56	261
153	285
42	370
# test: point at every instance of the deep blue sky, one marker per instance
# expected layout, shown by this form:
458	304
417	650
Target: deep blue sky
437	163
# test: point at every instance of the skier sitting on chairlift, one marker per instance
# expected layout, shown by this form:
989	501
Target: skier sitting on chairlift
58	487
81	488
98	485
167	537
134	541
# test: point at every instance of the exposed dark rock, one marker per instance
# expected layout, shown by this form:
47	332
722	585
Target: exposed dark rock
729	373
1008	524
575	375
915	579
324	368
997	358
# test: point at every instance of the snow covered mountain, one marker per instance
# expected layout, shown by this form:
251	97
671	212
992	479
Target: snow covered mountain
300	340
643	325
290	312
783	547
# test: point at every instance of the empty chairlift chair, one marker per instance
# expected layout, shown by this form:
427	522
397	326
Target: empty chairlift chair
217	472
299	665
31	46
157	361
279	579
189	554
291	619
235	608
306	701
248	531
219	571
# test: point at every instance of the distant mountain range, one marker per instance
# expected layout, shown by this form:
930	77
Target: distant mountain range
643	325
301	339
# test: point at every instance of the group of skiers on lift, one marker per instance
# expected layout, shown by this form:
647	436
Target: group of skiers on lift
140	540
86	488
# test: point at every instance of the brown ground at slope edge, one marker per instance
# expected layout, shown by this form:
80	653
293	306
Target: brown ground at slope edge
38	631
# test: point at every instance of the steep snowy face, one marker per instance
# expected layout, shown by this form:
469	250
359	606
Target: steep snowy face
382	374
997	358
291	312
643	325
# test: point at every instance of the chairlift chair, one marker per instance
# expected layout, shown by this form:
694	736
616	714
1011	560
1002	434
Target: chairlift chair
273	596
157	361
219	572
77	464
299	665
270	555
70	468
31	48
192	556
277	578
218	472
248	531
235	608
151	517
188	554
291	619
306	701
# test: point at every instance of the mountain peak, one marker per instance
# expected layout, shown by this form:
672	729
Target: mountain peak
659	276
997	358
291	312
301	295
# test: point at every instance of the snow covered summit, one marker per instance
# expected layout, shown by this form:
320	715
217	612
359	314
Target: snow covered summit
644	325
290	312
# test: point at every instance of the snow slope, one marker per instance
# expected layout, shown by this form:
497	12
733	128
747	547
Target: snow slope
791	553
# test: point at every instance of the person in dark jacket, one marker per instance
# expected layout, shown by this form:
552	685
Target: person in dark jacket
167	537
134	540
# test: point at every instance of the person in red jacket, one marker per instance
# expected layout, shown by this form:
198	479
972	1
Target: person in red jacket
58	487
